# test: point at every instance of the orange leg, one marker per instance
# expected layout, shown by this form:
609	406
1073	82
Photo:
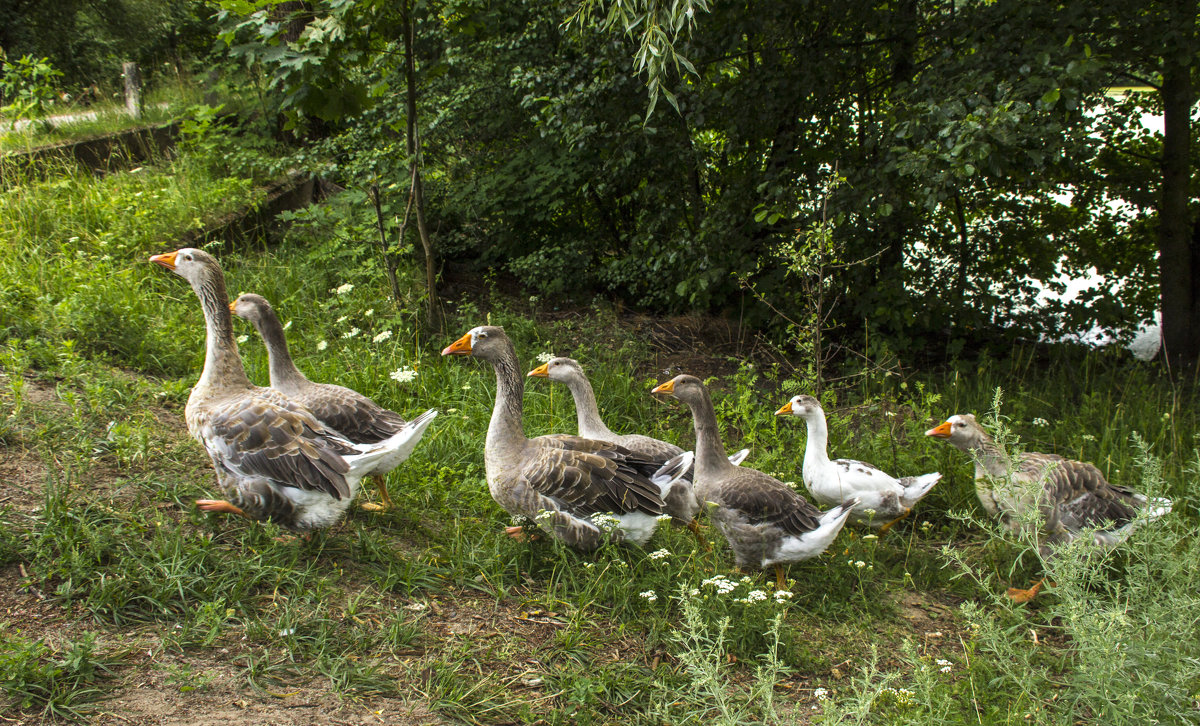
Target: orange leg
219	505
385	500
694	526
1018	595
883	530
520	535
780	581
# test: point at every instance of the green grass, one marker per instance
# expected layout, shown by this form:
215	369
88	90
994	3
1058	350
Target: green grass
431	601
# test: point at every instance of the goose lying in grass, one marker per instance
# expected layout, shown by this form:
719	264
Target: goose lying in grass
572	487
274	459
680	501
347	412
766	522
883	499
1069	497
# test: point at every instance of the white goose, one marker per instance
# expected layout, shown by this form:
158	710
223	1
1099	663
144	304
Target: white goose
1069	496
274	459
883	499
346	411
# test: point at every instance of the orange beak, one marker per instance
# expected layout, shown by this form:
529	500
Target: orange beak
542	371
941	431
786	410
462	346
233	307
167	260
668	387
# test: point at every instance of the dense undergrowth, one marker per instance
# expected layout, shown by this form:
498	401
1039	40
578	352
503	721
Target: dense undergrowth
100	349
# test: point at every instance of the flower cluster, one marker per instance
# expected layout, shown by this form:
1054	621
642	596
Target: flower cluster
659	554
649	596
1040	422
751	597
322	345
343	289
903	696
605	521
382	336
721	583
946	666
545	357
351	333
403	375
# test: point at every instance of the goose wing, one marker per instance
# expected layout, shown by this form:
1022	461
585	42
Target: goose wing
269	436
351	414
1078	494
590	476
765	499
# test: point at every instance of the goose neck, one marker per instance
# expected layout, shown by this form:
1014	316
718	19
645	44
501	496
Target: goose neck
816	449
505	428
587	412
283	370
710	450
222	364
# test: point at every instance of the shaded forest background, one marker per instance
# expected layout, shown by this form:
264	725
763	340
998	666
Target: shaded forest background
896	174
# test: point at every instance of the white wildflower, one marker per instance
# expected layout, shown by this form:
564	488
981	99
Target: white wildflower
782	596
649	595
1088	437
942	662
693	592
722	584
351	333
466	386
752	597
860	564
663	517
821	694
242	339
1040	422
322	345
403	375
520	520
383	335
342	319
286	632
544	515
544	357
605	521
659	554
343	289
369	312
588	565
926	526
945	669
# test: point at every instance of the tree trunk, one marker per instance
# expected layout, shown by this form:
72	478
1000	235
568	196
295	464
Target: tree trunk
410	77
1179	251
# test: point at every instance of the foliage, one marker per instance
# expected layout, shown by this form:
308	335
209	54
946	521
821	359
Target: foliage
27	85
60	683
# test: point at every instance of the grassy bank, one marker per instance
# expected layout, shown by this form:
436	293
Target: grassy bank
428	614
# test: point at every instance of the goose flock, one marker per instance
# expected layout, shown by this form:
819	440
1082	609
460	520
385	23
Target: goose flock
296	452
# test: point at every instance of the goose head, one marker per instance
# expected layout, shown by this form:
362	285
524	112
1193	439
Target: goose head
251	307
803	406
558	369
961	430
487	342
686	388
191	264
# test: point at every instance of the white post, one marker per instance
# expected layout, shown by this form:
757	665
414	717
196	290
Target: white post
133	89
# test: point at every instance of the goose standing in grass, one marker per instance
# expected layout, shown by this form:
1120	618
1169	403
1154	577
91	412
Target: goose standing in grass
883	499
681	502
274	459
1067	496
346	411
572	487
766	522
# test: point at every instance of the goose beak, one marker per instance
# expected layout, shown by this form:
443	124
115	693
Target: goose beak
786	410
233	307
668	387
542	371
167	260
941	431
462	346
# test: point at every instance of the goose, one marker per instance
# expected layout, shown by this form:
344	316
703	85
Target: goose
273	458
681	502
766	522
883	499
1069	497
582	491
346	411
